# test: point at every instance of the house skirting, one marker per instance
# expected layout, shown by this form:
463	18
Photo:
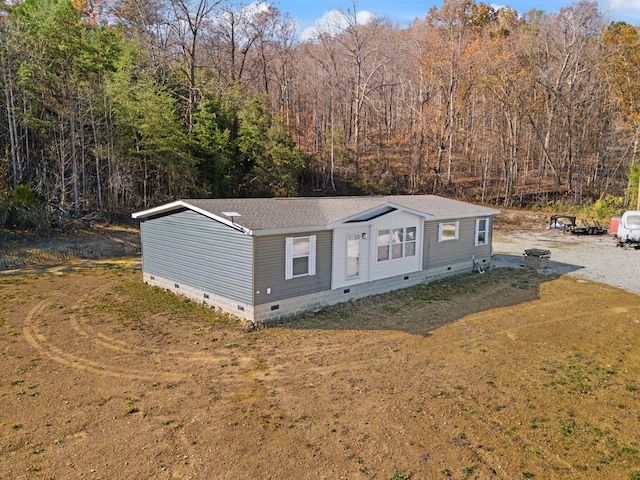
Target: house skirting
272	312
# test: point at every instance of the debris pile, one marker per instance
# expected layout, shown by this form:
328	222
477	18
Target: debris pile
536	258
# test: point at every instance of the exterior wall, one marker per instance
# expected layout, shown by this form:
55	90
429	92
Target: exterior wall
389	268
370	268
266	314
219	302
437	254
270	284
192	250
315	302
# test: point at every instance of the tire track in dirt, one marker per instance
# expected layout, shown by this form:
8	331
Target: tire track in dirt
46	347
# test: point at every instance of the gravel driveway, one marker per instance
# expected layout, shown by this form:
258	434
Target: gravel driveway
592	257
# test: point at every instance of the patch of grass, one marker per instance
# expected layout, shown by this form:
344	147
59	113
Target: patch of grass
132	301
400	476
390	309
568	427
131	410
446	472
527	474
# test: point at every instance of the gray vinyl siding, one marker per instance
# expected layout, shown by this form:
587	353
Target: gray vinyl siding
270	268
439	254
189	248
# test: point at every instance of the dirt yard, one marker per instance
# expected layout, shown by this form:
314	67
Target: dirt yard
507	375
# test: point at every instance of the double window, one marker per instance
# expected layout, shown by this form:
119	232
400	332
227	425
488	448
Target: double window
300	254
396	243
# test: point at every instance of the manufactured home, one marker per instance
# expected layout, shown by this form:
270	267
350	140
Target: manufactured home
263	259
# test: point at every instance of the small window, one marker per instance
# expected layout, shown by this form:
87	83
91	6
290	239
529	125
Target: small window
300	256
482	238
448	231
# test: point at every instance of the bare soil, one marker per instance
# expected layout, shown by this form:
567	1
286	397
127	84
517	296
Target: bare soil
507	375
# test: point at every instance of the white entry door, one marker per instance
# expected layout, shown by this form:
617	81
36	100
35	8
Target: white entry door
350	256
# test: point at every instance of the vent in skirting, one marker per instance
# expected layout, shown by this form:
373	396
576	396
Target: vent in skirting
275	307
176	285
346	290
206	295
448	268
241	308
406	277
152	277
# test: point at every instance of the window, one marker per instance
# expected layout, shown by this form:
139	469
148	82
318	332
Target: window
633	221
482	237
396	243
448	231
300	254
383	244
353	256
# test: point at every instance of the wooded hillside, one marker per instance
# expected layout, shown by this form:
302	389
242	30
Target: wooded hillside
112	107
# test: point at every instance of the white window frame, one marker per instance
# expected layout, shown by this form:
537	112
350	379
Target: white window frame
386	246
485	231
391	235
289	256
441	228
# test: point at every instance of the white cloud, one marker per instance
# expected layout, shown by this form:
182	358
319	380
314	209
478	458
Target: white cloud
255	8
623	10
334	22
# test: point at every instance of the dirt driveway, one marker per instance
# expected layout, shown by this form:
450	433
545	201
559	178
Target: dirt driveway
507	375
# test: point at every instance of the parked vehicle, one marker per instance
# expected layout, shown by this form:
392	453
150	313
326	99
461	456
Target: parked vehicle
567	223
626	229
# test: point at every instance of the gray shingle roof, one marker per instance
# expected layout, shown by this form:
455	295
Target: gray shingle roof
269	214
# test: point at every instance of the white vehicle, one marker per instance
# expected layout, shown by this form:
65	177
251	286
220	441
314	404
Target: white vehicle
628	229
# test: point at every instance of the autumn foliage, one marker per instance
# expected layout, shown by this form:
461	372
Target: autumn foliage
110	107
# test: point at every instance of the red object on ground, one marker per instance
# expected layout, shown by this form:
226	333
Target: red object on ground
613	225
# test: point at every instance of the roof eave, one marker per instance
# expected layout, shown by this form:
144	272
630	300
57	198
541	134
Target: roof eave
288	230
168	207
455	216
182	204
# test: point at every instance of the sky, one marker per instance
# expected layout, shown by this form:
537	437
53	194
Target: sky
403	12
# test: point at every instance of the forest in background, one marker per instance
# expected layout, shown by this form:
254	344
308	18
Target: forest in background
113	106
